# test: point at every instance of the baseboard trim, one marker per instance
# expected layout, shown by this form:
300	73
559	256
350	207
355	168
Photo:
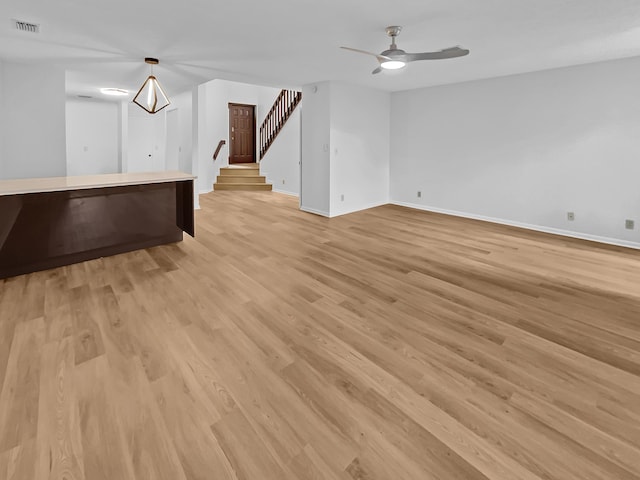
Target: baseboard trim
538	228
284	192
329	215
314	211
360	209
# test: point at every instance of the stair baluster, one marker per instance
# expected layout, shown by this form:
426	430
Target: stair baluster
280	111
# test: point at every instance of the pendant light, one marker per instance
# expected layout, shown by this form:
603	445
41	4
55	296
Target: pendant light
151	97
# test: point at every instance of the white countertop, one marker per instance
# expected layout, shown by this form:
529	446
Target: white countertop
58	184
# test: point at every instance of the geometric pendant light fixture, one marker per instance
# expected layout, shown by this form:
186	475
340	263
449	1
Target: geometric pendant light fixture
151	97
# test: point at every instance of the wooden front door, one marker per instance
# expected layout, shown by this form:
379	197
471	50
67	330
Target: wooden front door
242	128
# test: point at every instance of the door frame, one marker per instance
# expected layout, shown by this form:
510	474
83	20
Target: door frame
229	105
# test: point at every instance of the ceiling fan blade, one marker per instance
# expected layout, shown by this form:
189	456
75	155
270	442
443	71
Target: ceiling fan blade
377	70
452	52
380	58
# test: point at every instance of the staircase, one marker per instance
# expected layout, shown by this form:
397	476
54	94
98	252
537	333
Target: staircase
247	176
244	176
278	115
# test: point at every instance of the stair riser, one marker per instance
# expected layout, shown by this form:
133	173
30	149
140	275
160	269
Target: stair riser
242	179
239	172
231	186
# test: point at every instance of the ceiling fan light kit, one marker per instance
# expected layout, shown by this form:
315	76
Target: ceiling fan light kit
393	65
395	58
151	96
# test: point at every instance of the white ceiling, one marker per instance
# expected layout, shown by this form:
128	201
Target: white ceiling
295	42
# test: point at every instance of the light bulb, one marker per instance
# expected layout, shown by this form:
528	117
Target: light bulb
392	65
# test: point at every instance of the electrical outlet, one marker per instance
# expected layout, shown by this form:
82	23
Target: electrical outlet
419	194
629	224
571	216
342	197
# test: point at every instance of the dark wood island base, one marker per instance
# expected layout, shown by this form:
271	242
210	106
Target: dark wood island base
77	221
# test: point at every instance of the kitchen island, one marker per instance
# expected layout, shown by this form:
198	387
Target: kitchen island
51	222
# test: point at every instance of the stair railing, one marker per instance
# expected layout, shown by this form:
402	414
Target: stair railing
220	144
280	112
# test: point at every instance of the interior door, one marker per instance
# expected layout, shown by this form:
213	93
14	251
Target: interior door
242	128
141	141
146	142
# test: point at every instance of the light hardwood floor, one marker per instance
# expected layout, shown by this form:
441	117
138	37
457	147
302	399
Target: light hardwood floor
386	344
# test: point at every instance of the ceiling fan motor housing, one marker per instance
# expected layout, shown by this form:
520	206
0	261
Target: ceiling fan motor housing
393	53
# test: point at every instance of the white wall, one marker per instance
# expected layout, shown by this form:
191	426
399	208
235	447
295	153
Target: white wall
281	164
173	140
526	149
199	131
181	106
360	142
92	136
315	186
33	127
181	139
345	148
123	137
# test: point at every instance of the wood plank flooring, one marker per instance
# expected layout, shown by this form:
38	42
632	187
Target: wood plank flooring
385	344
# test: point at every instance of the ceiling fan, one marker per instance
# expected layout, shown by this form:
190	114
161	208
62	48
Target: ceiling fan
395	58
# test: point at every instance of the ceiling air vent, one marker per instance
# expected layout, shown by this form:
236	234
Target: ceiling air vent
27	26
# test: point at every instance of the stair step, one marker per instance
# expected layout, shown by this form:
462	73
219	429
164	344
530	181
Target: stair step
243	165
245	176
242	186
240	179
237	172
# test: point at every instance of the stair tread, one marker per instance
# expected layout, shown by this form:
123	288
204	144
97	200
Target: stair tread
242	176
261	182
242	183
239	172
243	186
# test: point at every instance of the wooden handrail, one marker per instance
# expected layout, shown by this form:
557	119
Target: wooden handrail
220	144
280	112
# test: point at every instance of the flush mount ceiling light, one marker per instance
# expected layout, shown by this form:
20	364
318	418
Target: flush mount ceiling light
151	97
118	92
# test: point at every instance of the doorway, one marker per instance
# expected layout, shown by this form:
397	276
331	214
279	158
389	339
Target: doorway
242	130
